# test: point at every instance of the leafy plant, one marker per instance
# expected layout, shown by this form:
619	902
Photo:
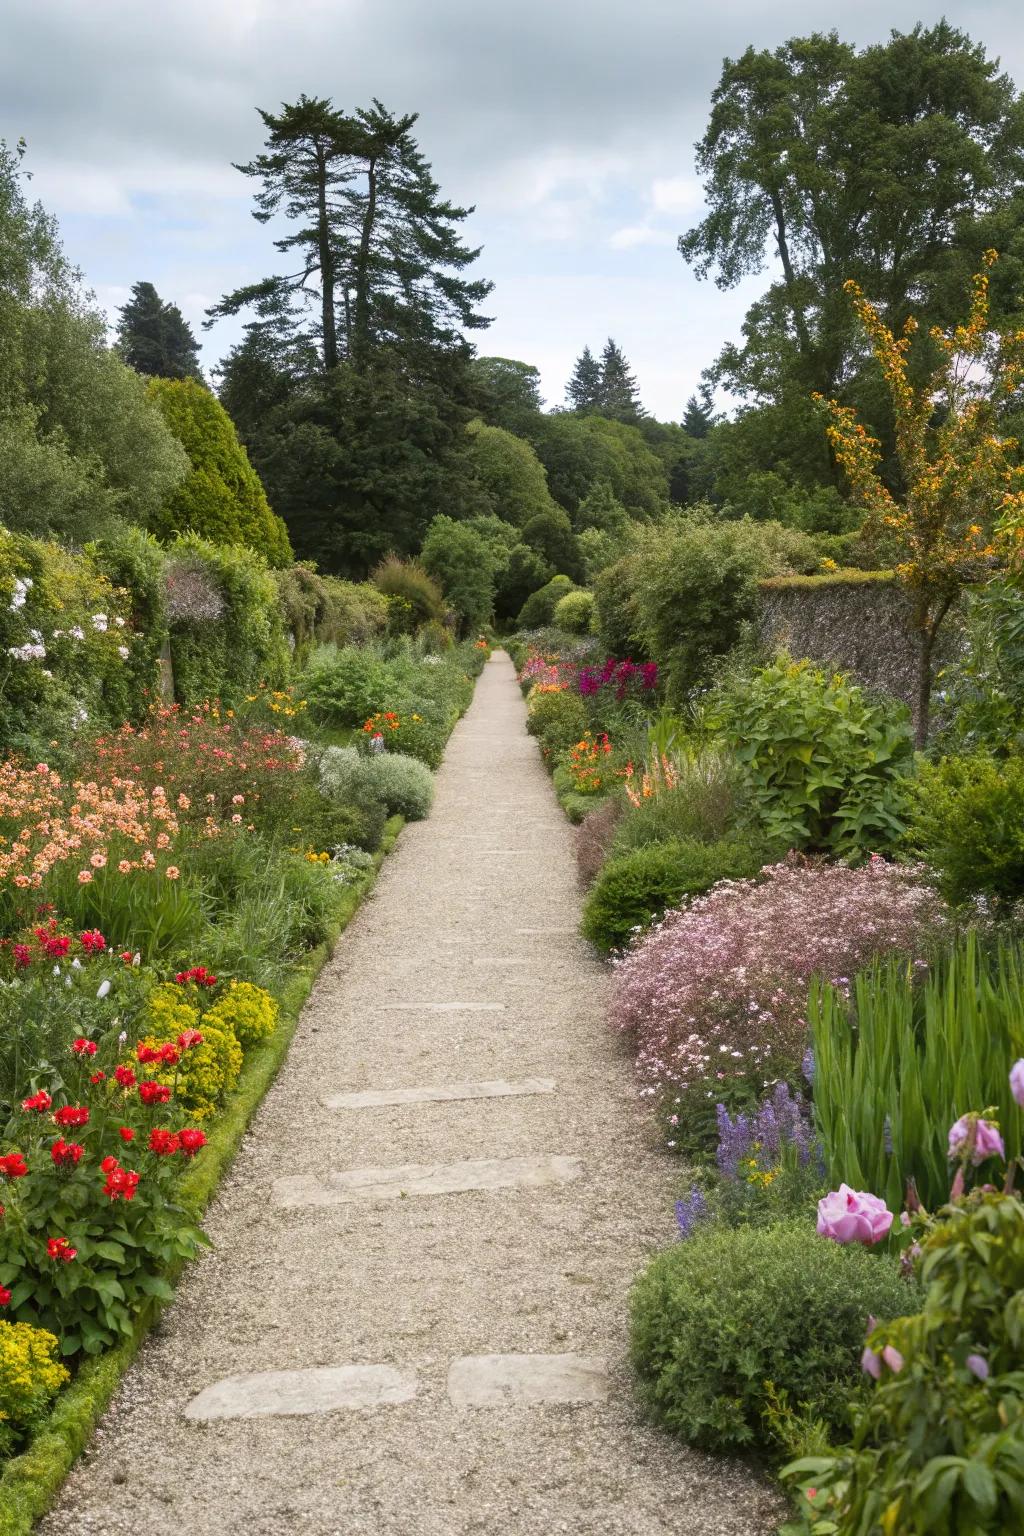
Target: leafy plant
30	1377
968	824
903	1055
824	768
403	783
725	1318
574	612
556	716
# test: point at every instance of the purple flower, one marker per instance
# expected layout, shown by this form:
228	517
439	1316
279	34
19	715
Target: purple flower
852	1216
691	1211
978	1366
871	1363
986	1142
1017	1081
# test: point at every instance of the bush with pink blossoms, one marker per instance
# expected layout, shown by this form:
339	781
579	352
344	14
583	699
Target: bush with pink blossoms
715	995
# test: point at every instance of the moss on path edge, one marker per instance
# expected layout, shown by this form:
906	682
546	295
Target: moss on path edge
31	1481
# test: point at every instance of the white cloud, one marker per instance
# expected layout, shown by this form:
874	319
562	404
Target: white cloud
632	235
676	194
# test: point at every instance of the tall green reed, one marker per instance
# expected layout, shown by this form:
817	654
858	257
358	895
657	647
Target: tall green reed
906	1055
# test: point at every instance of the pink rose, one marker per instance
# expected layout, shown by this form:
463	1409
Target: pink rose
1017	1081
851	1216
987	1140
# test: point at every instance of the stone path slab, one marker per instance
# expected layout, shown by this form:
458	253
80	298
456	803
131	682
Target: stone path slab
484	1173
416	1285
488	1381
440	1093
323	1389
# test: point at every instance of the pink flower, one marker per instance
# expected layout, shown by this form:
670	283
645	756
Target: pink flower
987	1140
871	1363
978	1366
1017	1081
852	1216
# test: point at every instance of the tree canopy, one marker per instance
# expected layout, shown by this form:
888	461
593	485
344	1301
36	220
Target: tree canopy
154	337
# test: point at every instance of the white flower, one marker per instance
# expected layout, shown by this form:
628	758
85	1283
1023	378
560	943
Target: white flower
56	970
136	958
122	1037
99	622
103	989
76	965
27	652
79	717
119	622
123	652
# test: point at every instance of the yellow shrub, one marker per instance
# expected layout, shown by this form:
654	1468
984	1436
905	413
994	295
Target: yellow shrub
170	1013
29	1376
247	1012
206	1073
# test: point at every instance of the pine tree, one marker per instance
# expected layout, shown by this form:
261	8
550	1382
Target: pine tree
155	338
583	391
700	413
618	396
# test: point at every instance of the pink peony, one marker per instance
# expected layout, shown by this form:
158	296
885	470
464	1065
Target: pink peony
1017	1081
851	1216
987	1140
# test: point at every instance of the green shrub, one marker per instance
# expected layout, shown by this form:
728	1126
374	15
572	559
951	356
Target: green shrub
730	1319
574	613
30	1378
403	783
705	803
413	597
539	607
321	610
222	498
634	889
346	686
824	767
902	1059
938	1446
556	717
225	622
463	563
134	563
616	615
968	824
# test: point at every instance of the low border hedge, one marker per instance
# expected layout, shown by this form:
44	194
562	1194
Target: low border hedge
31	1481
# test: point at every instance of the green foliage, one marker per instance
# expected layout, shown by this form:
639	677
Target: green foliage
937	1448
404	784
225	622
704	803
345	686
982	699
556	717
574	613
823	767
221	499
635	889
30	1377
729	1319
539	607
968	823
463	564
616	612
550	534
511	476
523	573
904	1058
510	391
580	451
323	610
154	338
135	565
414	598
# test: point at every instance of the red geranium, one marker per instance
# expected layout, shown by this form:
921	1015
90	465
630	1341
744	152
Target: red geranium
66	1153
22	956
125	1076
98	1077
83	1047
13	1165
152	1092
5	1296
121	1182
71	1115
60	1248
163	1143
197	973
191	1139
40	1101
92	941
188	1038
126	1133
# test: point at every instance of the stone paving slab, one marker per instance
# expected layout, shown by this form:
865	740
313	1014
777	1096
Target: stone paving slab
440	1093
482	1173
322	1389
488	1381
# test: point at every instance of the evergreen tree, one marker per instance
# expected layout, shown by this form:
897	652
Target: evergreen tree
617	395
155	338
378	246
700	413
583	391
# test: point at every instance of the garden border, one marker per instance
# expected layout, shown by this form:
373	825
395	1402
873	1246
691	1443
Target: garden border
31	1480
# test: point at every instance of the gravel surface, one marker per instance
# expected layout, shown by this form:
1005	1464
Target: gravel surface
475	906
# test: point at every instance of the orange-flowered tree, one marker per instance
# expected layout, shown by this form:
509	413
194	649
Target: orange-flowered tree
961	513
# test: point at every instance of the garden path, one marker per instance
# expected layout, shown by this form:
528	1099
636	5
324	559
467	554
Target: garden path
503	1213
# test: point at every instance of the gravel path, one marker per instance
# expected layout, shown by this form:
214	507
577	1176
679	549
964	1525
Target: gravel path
462	968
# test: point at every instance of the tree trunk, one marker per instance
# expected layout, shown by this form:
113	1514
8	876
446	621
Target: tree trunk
361	321
926	645
803	335
326	263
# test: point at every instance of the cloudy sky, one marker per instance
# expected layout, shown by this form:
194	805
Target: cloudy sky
570	125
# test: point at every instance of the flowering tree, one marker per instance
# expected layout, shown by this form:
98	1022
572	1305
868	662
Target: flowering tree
963	485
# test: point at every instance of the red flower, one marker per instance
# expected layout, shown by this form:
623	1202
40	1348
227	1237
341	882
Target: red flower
40	1101
154	1093
125	1076
71	1115
66	1153
189	1038
13	1165
92	941
191	1139
83	1047
126	956
148	1053
98	1077
56	946
126	1133
169	1054
109	1163
60	1248
121	1183
5	1296
22	956
199	974
163	1143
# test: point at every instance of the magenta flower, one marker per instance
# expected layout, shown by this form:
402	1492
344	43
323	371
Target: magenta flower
987	1140
1017	1081
851	1216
